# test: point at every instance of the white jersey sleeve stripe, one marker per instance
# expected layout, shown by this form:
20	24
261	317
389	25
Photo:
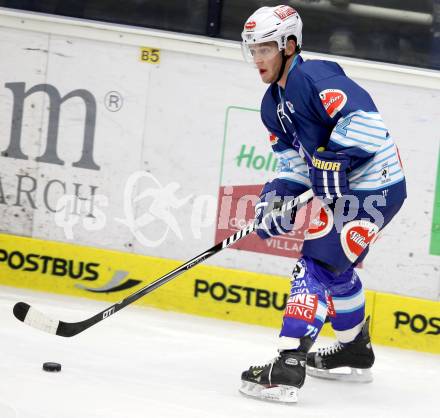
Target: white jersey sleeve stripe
369	136
367	115
369	172
380	128
375	179
292	167
365	133
348	142
376	186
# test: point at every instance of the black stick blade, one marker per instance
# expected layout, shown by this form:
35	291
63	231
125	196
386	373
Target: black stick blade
70	329
20	310
30	316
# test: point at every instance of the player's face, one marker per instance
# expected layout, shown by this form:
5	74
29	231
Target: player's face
267	59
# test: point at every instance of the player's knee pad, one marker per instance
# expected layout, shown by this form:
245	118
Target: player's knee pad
346	306
306	307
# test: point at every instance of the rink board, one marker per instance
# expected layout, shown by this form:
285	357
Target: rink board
80	148
204	290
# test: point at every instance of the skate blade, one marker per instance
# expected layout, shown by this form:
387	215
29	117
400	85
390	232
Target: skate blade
279	393
346	374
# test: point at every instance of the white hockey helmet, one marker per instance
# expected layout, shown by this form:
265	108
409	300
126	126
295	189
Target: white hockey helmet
271	24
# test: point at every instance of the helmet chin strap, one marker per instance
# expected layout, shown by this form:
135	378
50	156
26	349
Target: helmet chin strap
284	59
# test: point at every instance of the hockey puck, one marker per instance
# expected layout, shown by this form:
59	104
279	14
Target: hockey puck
52	367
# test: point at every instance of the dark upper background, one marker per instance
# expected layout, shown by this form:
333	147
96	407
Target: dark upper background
330	26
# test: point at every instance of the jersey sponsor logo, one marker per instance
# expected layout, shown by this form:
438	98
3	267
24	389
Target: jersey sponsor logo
273	139
290	107
333	101
320	225
299	286
356	236
283	12
299	270
302	306
385	174
298	283
331	312
250	25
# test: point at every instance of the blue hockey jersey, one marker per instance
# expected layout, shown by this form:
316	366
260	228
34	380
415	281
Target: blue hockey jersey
321	106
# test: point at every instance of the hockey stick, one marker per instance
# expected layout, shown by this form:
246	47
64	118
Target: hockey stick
30	316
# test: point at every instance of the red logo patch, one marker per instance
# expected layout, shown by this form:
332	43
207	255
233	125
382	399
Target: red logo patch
283	12
302	306
330	307
273	139
320	225
250	25
333	101
356	236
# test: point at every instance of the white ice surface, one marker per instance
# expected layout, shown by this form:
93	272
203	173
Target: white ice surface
151	363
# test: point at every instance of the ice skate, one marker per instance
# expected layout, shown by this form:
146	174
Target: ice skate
349	362
277	381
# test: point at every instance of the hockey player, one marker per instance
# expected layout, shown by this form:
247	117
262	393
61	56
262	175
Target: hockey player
329	136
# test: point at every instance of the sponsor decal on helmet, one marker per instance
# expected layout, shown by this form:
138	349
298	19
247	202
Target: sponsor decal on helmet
320	225
251	24
283	12
273	139
356	236
333	101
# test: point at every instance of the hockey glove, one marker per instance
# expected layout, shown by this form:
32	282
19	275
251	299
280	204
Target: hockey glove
329	174
270	220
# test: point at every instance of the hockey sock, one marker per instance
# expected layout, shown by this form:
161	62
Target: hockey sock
348	302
